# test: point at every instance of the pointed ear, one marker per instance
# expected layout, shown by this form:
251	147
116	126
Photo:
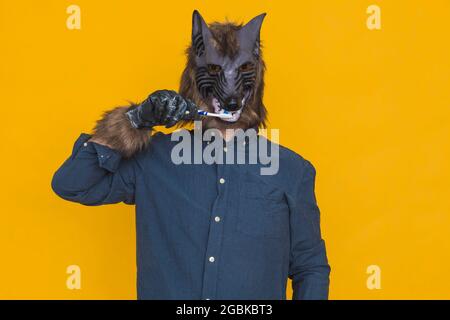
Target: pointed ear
200	33
249	34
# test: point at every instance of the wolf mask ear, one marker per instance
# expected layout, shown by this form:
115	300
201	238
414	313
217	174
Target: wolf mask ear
249	35
200	33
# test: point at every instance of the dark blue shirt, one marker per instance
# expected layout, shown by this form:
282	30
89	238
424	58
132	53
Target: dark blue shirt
208	231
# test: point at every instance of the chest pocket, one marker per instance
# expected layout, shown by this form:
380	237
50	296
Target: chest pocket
263	211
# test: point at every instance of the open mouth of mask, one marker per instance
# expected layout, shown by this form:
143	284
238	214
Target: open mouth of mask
235	115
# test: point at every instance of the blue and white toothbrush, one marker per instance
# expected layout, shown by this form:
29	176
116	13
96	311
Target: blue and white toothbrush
224	115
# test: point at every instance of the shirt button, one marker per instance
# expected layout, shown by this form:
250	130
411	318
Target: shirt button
217	219
211	259
85	144
222	180
225	149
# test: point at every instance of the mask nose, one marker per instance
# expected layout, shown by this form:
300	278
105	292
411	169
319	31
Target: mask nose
231	104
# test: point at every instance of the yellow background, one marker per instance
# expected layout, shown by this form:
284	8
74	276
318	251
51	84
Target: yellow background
370	109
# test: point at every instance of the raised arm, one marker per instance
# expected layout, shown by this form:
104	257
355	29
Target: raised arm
95	174
101	168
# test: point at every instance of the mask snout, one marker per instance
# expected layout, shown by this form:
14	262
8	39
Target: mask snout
232	104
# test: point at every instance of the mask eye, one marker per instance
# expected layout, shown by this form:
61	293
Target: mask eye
246	67
214	68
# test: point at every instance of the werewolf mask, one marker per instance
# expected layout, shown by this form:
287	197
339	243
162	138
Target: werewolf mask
225	72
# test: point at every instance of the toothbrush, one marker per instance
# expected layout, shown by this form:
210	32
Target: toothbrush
225	115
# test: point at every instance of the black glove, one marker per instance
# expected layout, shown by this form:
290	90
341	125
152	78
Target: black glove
162	108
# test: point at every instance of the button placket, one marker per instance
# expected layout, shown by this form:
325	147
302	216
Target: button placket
214	245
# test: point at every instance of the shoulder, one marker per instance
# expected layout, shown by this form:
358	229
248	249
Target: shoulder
293	168
159	144
290	159
159	137
159	140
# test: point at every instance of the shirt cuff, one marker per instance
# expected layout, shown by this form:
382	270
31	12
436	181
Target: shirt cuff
108	159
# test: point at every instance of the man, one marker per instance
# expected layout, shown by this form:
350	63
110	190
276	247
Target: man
209	230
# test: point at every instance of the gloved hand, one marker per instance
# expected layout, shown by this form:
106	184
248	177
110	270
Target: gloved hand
162	108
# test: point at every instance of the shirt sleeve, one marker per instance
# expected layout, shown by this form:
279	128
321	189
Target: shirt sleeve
308	268
94	175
